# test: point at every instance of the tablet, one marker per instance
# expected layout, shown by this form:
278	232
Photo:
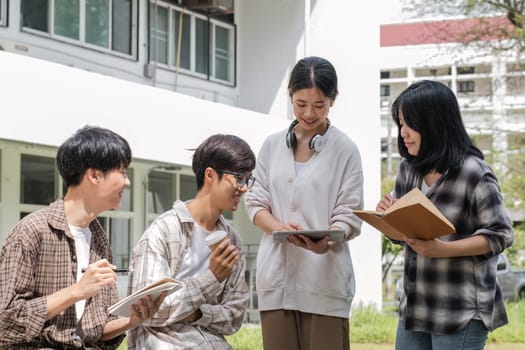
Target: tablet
315	235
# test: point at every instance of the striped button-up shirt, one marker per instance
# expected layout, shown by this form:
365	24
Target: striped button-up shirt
159	253
39	259
443	294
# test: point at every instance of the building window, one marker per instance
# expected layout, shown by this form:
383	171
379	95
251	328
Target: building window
191	42
164	188
466	70
38	180
385	90
385	74
466	86
101	24
3	12
126	202
119	234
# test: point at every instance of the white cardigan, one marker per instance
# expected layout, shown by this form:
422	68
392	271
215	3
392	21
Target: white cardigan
324	194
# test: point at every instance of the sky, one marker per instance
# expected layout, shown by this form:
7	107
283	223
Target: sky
390	11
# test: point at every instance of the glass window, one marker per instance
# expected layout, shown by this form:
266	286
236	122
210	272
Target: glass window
222	53
188	187
385	90
97	22
107	24
34	14
121	31
3	12
194	42
119	237
67	17
185	39
37	180
159	34
202	46
466	70
126	203
466	86
160	192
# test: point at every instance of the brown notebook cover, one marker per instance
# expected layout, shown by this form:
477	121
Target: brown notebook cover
411	216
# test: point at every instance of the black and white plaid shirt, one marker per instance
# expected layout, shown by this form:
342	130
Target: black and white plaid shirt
443	294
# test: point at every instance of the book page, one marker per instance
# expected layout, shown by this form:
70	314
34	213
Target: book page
376	220
411	216
417	221
415	196
155	289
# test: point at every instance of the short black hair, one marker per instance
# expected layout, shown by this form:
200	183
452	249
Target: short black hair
314	71
91	147
431	109
222	152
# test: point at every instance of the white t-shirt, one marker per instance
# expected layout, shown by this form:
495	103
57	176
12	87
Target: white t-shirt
197	257
82	237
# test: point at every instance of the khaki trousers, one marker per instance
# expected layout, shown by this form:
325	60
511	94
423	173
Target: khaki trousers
295	330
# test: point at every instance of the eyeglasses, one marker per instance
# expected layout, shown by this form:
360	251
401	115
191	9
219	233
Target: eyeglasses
240	179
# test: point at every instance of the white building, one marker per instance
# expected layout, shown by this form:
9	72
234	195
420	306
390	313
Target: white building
167	74
490	88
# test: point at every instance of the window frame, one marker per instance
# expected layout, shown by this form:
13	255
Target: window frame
4	15
466	86
81	41
174	10
231	50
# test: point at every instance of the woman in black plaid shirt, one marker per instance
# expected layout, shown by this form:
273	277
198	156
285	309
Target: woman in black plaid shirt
451	295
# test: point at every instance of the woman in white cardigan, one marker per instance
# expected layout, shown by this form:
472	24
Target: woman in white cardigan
308	177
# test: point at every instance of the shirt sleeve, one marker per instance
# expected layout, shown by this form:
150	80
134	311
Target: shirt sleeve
259	197
493	220
22	314
349	197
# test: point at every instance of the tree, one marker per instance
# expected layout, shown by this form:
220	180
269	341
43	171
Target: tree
498	25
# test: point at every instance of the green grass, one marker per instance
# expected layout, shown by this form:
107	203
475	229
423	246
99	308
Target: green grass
514	332
370	329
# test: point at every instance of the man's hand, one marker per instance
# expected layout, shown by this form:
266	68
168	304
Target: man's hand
144	309
97	275
222	259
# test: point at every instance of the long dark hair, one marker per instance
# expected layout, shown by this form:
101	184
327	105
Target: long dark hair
431	108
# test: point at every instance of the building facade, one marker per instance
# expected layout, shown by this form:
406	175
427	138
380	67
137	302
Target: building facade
490	88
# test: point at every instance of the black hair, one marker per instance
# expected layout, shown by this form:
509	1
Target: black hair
91	147
313	71
431	109
222	152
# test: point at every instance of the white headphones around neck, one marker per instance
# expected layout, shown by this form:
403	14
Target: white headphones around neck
316	143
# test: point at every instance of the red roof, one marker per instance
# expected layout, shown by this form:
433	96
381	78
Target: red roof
445	31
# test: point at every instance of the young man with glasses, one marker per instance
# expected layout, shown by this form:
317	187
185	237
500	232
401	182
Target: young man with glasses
215	296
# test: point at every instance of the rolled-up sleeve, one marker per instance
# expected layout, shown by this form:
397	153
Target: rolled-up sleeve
22	314
493	220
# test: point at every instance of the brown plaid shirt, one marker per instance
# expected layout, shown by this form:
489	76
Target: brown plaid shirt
38	259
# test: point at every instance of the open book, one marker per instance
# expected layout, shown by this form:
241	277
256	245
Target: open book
123	307
411	216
